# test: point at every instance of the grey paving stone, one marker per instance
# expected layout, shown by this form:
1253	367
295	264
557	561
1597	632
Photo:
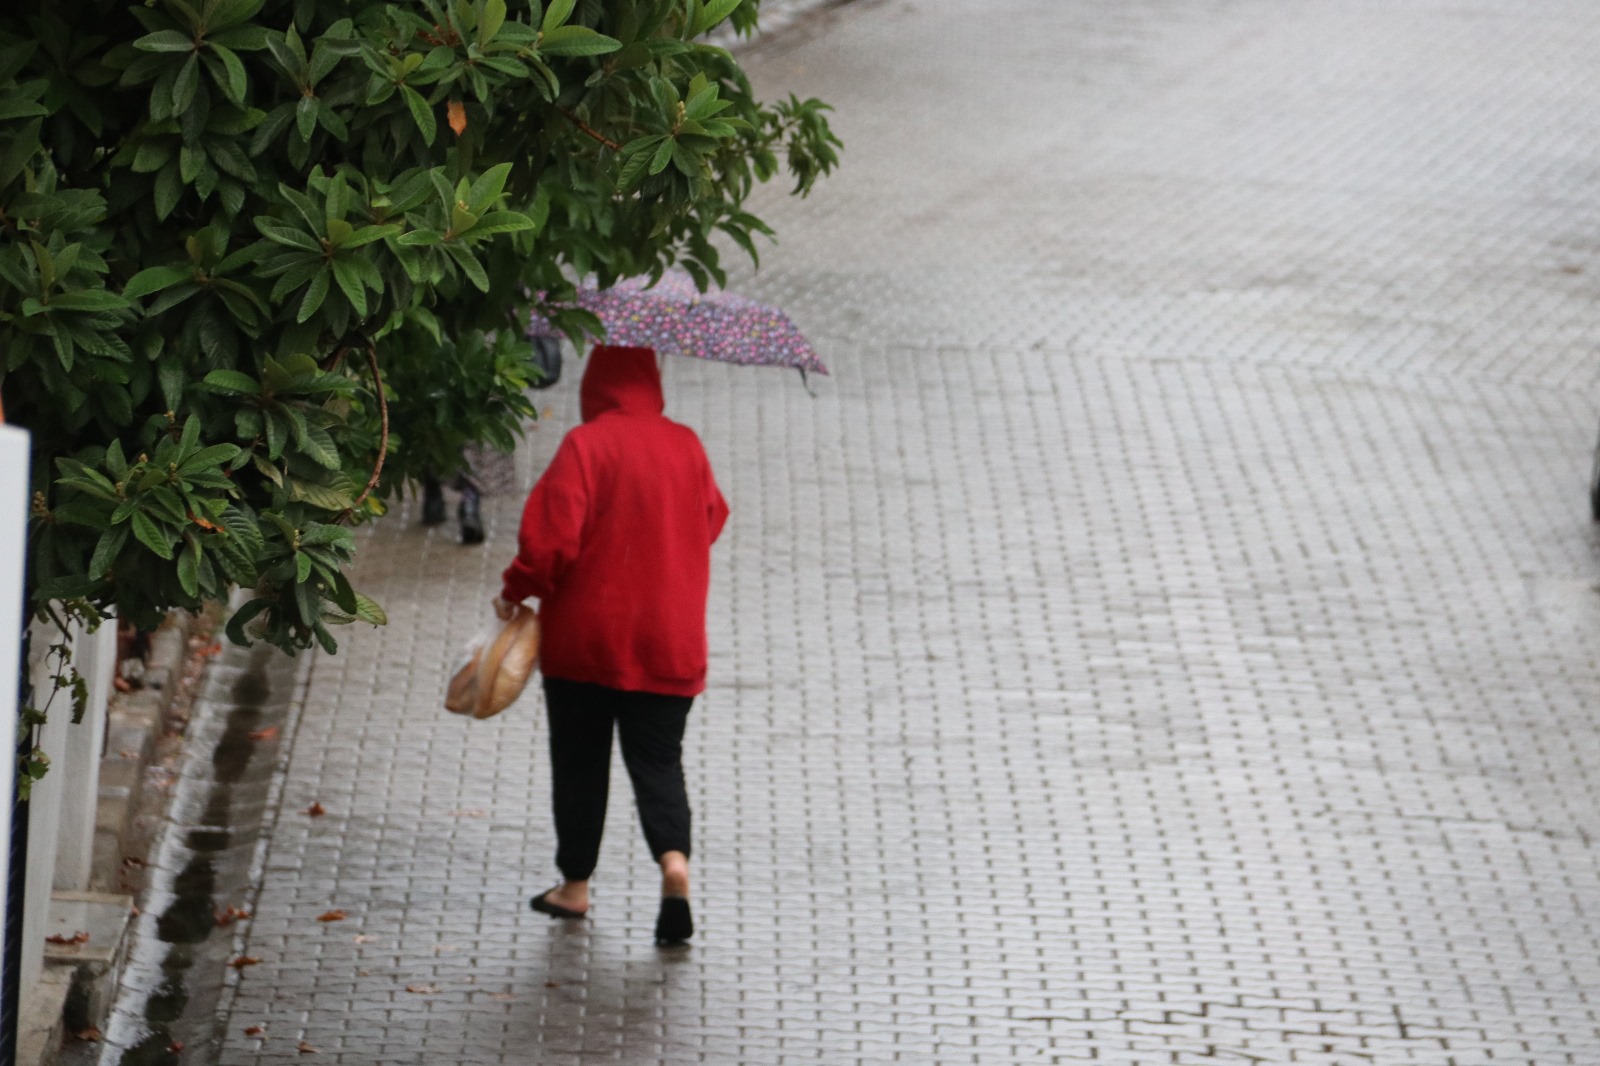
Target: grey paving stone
1170	636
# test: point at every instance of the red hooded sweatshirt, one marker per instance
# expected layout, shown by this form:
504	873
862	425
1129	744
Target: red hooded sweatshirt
616	538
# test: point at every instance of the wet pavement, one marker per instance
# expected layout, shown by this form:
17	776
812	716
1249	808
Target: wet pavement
1170	636
205	869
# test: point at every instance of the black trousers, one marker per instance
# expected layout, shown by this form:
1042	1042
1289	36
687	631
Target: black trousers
650	727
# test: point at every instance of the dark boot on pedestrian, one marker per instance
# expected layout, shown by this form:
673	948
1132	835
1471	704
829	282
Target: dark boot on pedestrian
675	921
471	516
433	512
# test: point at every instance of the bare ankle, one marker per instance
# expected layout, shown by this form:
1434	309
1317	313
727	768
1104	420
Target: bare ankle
674	874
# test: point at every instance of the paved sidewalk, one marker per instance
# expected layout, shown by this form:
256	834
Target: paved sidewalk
1171	635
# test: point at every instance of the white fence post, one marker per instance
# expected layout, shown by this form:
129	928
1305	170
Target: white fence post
13	543
95	657
44	807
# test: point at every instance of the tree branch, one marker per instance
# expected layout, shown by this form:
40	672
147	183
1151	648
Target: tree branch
590	130
383	434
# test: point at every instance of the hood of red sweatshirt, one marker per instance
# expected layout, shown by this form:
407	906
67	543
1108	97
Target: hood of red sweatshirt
621	379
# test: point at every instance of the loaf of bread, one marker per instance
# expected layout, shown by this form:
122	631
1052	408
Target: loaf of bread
494	676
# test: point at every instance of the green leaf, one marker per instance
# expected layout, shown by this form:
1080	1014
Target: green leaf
502	222
22	148
633	171
151	535
319	446
189	567
183	89
168	189
556	15
302	567
421	237
349	279
88	300
241	38
231	383
577	41
367	610
246	613
211	456
232	12
154	279
663	156
165	41
469	265
487	189
368	234
288	236
326	497
106	550
323	534
233	81
324	638
305	116
316	292
342	594
115	460
712	13
494	16
421	113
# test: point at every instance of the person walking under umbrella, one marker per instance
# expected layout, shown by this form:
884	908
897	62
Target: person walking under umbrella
615	543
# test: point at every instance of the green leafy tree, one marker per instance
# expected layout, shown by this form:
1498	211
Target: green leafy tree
236	235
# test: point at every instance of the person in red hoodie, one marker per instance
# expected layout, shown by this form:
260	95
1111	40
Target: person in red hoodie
615	544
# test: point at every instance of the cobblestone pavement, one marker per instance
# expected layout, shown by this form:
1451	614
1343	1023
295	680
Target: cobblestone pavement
1171	636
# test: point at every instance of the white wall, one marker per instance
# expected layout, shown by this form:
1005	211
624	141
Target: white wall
13	534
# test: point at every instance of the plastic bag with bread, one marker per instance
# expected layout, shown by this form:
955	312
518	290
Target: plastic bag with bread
495	666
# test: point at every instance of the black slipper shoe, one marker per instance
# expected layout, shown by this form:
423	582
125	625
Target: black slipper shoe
674	923
554	910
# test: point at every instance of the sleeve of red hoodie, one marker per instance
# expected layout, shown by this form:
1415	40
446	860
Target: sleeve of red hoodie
552	528
716	506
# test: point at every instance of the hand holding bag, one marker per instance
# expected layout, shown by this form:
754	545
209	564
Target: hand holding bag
495	666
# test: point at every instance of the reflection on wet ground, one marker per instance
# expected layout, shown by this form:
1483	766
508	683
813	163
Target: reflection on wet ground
201	870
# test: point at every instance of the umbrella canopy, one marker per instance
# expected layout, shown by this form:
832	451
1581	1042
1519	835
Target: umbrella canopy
674	316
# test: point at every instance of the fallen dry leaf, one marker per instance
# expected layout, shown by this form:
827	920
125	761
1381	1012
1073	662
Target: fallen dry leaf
306	1049
335	915
254	1030
263	734
91	1034
457	117
552	984
233	914
422	990
469	812
61	938
361	938
316	810
502	997
244	960
214	648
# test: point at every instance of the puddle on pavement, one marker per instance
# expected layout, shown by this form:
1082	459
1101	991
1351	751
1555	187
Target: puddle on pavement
188	903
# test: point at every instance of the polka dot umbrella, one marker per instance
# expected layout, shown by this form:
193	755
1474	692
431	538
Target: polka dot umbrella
674	316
